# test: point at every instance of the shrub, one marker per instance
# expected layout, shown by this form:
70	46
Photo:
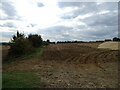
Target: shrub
35	39
116	39
45	43
19	45
48	40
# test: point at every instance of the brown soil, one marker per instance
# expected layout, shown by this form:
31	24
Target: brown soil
72	66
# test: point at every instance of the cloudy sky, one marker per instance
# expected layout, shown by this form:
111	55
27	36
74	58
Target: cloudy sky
59	21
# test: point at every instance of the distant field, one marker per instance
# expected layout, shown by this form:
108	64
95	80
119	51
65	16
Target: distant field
73	65
4	50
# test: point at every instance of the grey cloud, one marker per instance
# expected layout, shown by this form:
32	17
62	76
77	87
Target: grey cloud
40	4
108	6
70	4
31	25
56	33
86	7
83	8
8	24
67	16
7	35
93	35
90	5
9	9
56	29
80	33
101	32
109	19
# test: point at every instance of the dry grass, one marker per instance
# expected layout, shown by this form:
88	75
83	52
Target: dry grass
110	45
4	49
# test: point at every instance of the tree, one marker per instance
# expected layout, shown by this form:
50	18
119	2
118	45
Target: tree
18	36
19	45
116	39
48	41
35	39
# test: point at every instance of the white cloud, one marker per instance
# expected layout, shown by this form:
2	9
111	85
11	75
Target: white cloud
98	3
28	16
103	12
6	29
2	14
84	16
68	9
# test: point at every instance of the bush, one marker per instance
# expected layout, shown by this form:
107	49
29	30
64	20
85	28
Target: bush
48	41
116	39
19	45
45	43
35	39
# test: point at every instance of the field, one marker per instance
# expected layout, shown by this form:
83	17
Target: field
73	65
4	50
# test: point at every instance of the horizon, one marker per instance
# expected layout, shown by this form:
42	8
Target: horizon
79	41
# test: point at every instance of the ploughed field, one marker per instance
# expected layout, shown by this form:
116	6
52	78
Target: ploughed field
72	65
77	53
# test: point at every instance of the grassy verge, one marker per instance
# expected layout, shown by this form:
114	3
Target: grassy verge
21	79
36	52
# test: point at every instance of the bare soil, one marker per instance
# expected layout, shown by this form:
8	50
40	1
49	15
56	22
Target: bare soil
75	65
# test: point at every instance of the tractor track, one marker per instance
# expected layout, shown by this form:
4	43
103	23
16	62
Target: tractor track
80	54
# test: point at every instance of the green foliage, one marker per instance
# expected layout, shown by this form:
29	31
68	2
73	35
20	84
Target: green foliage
35	39
19	45
116	39
36	53
48	41
21	79
18	36
45	43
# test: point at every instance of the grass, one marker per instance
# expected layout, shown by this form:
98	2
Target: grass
36	52
21	79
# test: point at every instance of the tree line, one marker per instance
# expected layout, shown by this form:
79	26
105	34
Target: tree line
114	39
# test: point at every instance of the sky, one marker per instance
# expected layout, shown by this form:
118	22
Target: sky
59	21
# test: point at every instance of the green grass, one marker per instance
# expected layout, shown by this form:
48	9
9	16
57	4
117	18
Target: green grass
21	79
0	80
35	53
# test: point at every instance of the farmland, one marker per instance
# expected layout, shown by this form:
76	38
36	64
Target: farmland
71	65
